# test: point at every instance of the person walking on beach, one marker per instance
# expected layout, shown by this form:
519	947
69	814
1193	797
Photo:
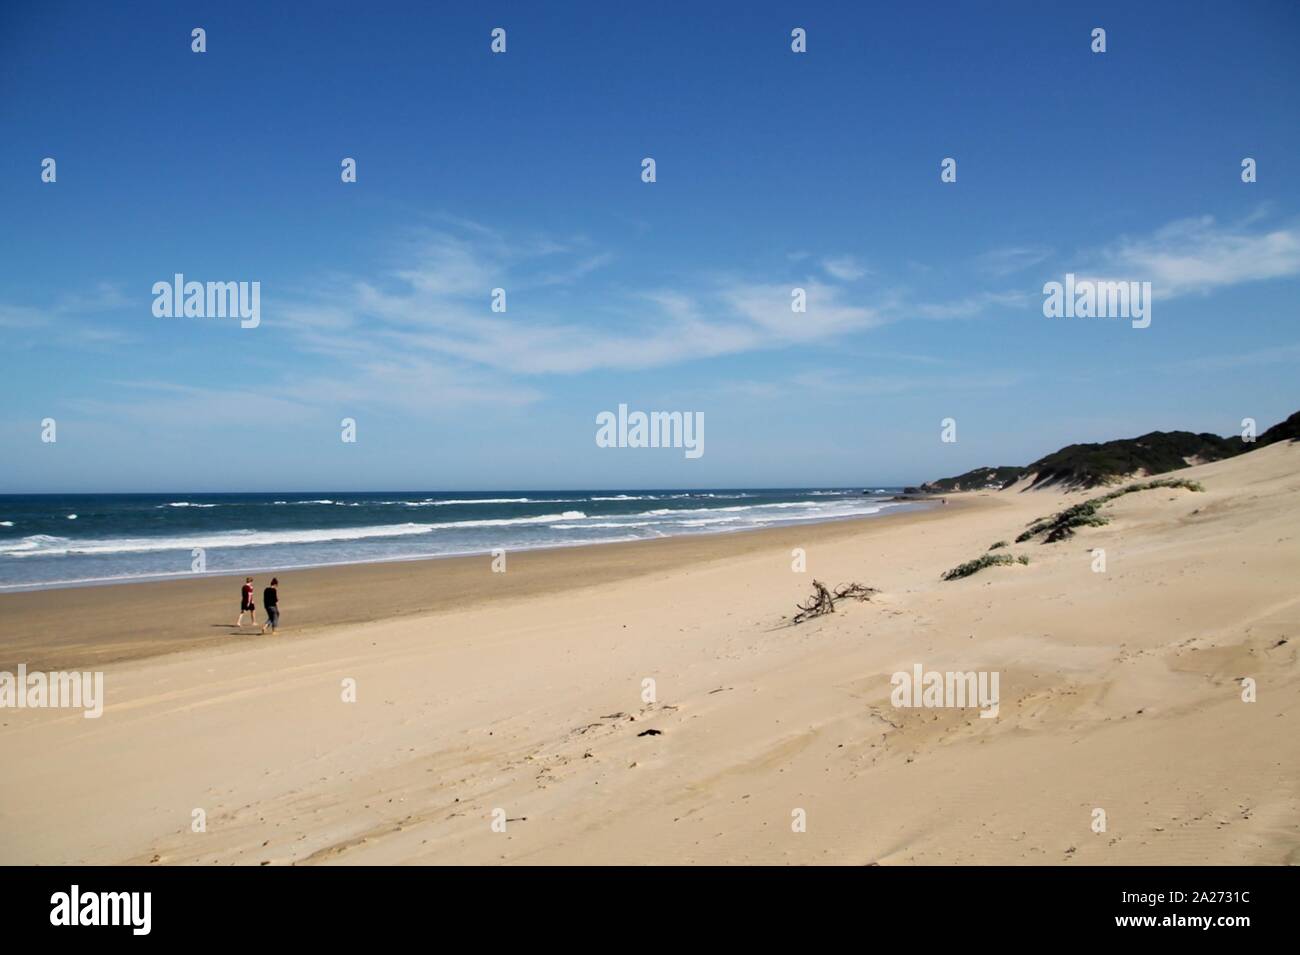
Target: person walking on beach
246	605
271	601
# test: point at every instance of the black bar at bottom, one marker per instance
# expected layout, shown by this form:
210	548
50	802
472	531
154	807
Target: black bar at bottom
331	905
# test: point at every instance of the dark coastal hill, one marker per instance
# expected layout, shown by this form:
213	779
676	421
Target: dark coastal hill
1288	430
1090	465
981	479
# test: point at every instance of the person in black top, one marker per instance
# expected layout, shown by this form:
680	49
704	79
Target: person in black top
271	604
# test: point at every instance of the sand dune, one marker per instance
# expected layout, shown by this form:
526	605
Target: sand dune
1120	691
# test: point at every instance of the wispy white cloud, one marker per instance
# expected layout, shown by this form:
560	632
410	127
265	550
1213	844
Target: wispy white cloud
159	404
413	385
1003	262
22	316
843	384
436	305
971	305
1199	255
837	384
845	268
420	333
77	318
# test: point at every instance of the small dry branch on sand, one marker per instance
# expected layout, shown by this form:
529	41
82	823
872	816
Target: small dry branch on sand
823	601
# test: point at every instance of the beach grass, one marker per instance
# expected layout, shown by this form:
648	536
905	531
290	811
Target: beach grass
1064	523
979	563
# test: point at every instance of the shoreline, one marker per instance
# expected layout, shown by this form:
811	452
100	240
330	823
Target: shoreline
99	624
900	506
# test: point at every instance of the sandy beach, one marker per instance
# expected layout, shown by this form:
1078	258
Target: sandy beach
522	696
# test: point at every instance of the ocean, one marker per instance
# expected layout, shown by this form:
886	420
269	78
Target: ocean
51	540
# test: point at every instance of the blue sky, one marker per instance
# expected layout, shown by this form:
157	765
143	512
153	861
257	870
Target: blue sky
522	171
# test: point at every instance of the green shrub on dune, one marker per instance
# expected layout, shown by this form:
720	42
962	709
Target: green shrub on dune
979	563
1087	514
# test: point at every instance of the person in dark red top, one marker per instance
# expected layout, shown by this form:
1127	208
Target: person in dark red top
246	605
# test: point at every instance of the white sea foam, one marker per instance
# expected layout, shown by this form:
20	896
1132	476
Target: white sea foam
783	505
428	502
25	544
481	500
43	545
603	524
741	514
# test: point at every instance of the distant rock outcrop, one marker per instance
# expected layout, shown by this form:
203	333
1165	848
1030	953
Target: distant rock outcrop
981	479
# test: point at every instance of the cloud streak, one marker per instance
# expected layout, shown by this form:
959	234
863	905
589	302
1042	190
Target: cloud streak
420	333
438	304
1198	256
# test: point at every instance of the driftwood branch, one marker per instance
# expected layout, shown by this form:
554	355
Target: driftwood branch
822	600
